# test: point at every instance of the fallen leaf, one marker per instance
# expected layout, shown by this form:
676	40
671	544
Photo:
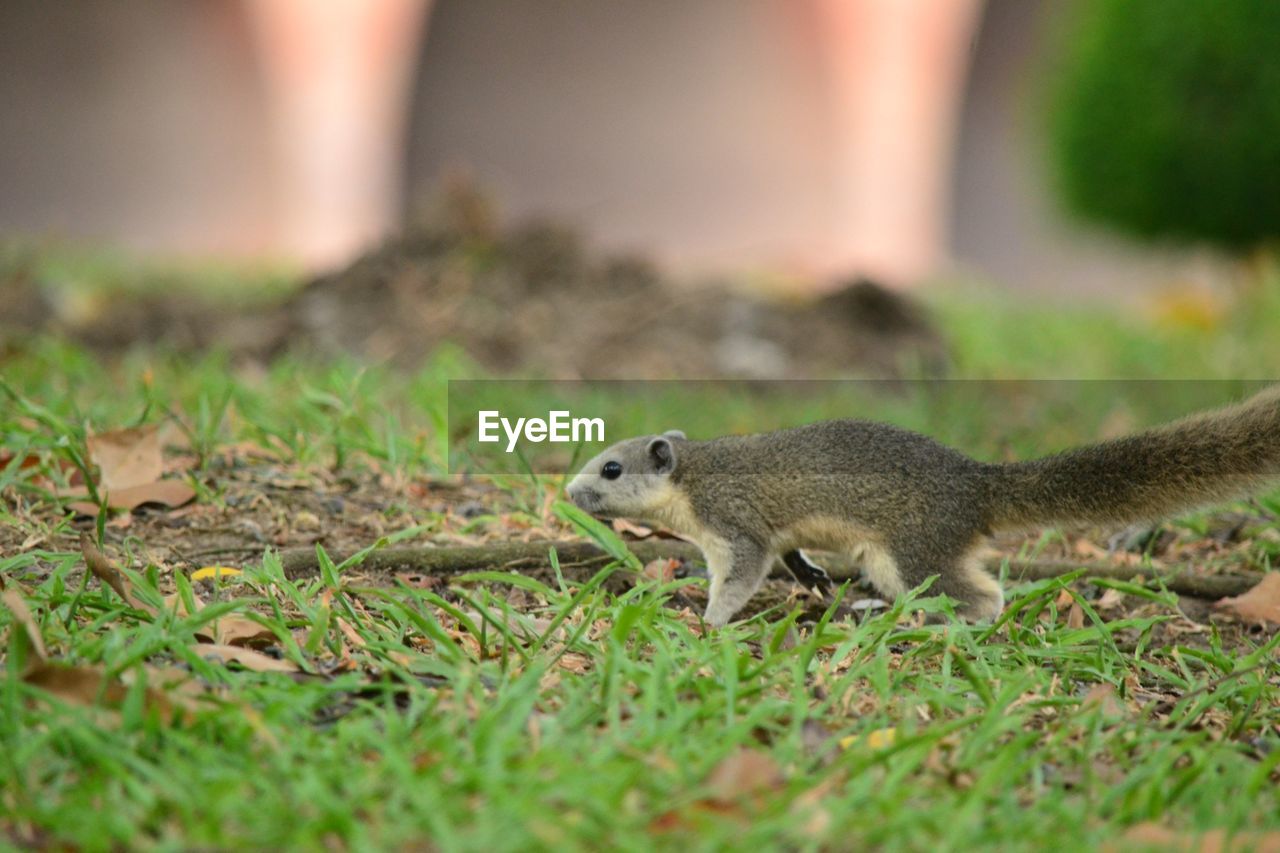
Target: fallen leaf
1103	696
248	658
174	601
208	572
90	686
417	580
127	457
22	615
574	662
639	531
1152	835
809	810
1088	550
235	630
1109	600
662	569
1261	604
352	635
83	508
166	493
737	786
130	463
743	773
104	571
229	630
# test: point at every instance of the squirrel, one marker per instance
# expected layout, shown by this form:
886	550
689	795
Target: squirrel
905	506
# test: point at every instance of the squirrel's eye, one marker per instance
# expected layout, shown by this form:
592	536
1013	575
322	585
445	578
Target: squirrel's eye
611	470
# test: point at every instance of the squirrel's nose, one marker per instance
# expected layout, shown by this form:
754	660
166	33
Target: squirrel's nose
584	496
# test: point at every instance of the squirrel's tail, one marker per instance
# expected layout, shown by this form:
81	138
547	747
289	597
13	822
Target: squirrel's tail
1203	459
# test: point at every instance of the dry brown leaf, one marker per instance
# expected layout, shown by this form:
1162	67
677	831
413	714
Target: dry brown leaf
247	658
83	508
104	571
1110	599
167	493
236	630
1103	696
662	569
174	601
737	785
352	635
1260	604
809	809
177	684
1088	550
230	630
639	531
130	464
90	686
417	580
1066	605
744	773
127	457
1152	835
22	615
574	662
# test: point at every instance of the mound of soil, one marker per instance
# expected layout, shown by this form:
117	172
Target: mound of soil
530	299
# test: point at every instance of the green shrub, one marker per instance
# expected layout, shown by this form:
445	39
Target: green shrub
1164	119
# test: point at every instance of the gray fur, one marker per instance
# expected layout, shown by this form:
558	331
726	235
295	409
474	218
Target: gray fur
913	507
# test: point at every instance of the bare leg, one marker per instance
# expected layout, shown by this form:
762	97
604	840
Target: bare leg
736	574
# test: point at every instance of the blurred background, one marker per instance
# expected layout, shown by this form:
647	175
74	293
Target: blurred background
1091	148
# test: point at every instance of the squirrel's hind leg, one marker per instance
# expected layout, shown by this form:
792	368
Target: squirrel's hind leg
977	594
806	572
736	573
982	599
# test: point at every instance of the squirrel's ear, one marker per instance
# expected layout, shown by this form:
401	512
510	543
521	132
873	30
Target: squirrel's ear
662	455
675	433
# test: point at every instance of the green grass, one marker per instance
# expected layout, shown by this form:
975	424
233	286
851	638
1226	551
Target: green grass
995	742
575	718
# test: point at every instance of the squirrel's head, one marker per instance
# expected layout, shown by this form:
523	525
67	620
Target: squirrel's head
631	478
